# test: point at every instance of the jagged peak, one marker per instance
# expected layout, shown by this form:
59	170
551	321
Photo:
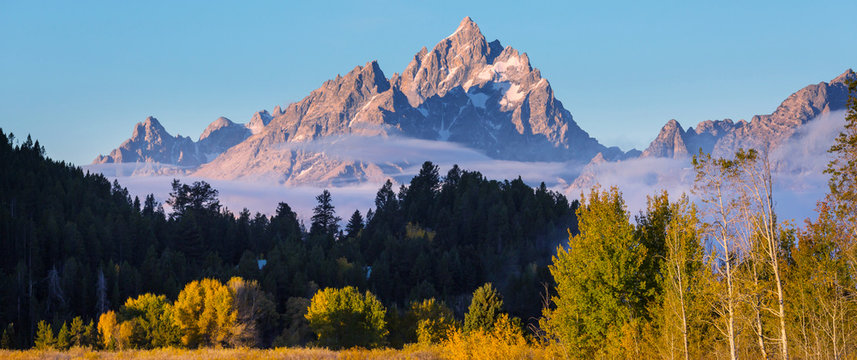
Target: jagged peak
466	26
261	119
672	125
151	121
373	71
418	56
373	65
148	126
371	68
848	74
369	71
467	33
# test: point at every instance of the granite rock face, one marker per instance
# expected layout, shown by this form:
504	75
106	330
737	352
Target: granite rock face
669	143
261	119
150	142
464	90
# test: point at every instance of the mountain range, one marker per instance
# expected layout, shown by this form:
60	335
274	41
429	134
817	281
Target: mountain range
723	137
465	90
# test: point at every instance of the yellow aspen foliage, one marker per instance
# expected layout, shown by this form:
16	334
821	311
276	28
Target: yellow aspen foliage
505	340
205	314
107	329
127	335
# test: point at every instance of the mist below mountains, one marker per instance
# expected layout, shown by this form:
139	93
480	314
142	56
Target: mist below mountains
798	164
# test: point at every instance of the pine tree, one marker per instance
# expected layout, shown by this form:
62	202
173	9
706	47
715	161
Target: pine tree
63	340
843	167
355	225
101	304
45	336
76	332
7	341
90	335
419	198
324	219
485	307
199	197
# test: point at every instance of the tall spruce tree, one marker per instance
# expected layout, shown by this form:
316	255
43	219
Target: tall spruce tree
324	219
355	225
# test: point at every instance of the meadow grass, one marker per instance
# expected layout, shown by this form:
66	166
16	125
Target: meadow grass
417	352
214	354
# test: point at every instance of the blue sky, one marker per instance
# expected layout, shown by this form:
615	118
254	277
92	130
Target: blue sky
78	75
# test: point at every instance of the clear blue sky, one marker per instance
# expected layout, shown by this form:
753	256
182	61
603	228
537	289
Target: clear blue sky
78	75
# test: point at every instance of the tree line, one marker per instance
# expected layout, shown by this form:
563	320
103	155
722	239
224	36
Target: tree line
77	245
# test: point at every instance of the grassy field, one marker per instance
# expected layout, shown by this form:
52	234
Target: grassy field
416	352
212	354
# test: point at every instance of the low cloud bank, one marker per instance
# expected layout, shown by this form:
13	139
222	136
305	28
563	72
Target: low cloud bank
258	196
408	154
799	178
637	179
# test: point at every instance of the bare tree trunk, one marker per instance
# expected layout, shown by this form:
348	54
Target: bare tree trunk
727	257
760	329
713	177
781	314
756	186
764	180
730	306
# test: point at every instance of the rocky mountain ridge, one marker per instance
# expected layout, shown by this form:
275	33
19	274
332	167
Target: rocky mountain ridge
464	90
150	142
723	137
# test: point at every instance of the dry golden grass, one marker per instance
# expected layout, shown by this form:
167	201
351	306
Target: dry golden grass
214	354
504	341
461	349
